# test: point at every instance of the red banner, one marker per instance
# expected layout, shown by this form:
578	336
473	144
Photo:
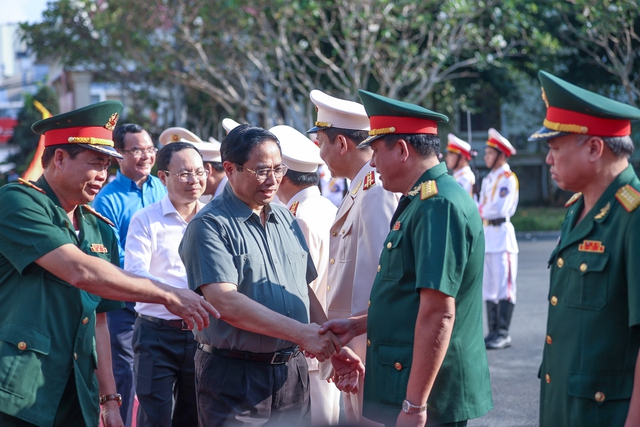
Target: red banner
6	128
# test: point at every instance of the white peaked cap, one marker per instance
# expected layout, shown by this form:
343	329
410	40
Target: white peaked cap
338	113
229	124
456	145
298	152
210	150
500	143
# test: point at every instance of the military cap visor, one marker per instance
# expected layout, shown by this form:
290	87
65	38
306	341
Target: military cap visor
389	116
338	113
571	109
89	127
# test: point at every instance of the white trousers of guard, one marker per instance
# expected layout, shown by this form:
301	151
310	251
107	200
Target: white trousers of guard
500	271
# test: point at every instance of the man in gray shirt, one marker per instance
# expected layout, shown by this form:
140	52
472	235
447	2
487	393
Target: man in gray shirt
250	256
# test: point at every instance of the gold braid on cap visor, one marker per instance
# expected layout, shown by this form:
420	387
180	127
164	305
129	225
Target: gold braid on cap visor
561	127
90	140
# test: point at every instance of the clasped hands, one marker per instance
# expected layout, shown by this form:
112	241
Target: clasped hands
328	344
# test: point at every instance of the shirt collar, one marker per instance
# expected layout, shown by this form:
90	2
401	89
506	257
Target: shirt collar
166	205
240	209
304	194
128	183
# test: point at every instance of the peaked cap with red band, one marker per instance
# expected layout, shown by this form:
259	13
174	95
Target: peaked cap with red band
90	127
571	109
389	116
500	143
458	146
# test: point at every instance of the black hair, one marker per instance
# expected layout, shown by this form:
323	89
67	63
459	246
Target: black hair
120	131
166	153
303	179
217	166
426	145
236	147
356	136
72	149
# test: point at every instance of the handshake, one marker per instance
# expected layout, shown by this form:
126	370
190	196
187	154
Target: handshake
326	342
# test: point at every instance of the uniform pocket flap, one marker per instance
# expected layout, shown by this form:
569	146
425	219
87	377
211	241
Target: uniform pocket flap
586	262
25	337
395	355
394	240
601	387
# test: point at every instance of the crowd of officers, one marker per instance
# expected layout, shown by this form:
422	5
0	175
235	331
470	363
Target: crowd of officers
229	291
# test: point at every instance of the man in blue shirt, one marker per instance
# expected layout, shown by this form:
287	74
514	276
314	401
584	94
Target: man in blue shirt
133	188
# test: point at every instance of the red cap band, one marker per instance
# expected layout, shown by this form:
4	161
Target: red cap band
410	125
562	120
61	136
499	146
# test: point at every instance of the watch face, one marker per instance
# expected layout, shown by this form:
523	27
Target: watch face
405	406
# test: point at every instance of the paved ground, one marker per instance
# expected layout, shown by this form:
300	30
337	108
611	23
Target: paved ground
514	371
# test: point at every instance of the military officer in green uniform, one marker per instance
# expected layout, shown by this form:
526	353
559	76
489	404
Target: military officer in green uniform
590	375
57	258
426	359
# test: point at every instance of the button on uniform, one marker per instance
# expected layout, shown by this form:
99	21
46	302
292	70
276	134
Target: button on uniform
368	343
378	268
389	245
549	340
397	365
599	397
85	320
328	288
583	267
75	356
560	262
22	345
334	234
554	300
547	378
332	261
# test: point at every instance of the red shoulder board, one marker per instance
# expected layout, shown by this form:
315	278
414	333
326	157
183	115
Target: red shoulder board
294	208
102	217
369	180
29	184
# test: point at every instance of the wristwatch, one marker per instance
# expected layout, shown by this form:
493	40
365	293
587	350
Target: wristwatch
409	408
107	397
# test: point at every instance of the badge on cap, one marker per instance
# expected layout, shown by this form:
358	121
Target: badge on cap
396	226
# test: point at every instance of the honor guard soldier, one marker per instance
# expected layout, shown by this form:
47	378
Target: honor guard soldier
459	154
497	204
58	260
216	178
315	214
426	361
362	221
590	373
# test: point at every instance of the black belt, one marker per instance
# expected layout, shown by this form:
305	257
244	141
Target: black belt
277	358
495	222
178	324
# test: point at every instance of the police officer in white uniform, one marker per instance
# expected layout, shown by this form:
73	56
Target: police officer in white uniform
300	192
459	154
216	178
361	224
497	204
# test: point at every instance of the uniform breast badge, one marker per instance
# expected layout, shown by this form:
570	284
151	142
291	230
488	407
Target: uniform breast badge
97	247
591	246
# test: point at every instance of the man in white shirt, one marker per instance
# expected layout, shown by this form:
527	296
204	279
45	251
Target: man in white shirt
216	179
459	154
314	213
164	347
497	204
361	224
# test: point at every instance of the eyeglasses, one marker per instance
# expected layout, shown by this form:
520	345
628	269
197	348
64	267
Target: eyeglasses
137	152
263	174
199	175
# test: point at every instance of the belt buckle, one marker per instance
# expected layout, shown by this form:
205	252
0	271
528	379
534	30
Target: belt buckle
281	357
185	327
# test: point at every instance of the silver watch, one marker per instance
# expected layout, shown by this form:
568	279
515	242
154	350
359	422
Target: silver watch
410	408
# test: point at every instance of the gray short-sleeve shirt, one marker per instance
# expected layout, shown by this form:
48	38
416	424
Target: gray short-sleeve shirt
226	242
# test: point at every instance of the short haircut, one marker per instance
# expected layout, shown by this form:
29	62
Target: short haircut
426	145
620	145
217	166
356	136
236	147
72	149
303	179
120	131
166	153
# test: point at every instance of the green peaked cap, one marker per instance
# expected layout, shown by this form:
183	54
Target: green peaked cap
390	116
572	109
90	127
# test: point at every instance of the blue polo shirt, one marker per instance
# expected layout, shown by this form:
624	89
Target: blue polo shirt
121	198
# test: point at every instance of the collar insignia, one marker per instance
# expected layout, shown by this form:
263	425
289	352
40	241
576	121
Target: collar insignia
604	211
294	208
29	184
102	217
369	181
573	199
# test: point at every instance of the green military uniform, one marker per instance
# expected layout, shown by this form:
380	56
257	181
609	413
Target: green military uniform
47	326
47	330
436	242
593	326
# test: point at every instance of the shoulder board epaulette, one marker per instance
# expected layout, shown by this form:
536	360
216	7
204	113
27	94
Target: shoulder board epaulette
428	189
507	174
355	190
628	197
102	217
369	180
29	184
573	199
294	208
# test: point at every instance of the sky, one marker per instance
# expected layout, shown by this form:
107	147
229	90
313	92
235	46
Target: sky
21	10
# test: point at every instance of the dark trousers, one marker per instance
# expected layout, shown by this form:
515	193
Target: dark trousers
164	375
121	331
233	392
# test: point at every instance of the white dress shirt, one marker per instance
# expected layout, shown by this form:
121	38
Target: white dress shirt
151	251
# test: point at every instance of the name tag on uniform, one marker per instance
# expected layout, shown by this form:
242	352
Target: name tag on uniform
97	247
591	246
